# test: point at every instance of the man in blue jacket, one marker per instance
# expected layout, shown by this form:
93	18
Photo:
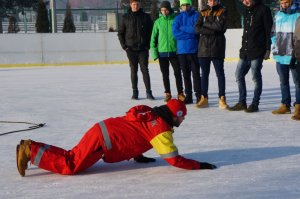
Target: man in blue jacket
187	48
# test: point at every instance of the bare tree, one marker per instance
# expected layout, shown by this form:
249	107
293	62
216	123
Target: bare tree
13	26
1	27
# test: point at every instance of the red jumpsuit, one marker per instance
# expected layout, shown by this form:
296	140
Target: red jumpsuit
114	140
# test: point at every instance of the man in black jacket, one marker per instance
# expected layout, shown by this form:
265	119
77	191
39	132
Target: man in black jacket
256	44
134	35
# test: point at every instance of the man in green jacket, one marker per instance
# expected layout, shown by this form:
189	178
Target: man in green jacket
163	48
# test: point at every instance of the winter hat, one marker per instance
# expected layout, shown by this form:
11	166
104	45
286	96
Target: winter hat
166	4
177	107
131	1
185	2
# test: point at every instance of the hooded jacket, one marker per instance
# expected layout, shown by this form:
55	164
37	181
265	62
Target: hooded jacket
256	39
297	40
184	33
211	26
282	41
162	42
135	30
138	131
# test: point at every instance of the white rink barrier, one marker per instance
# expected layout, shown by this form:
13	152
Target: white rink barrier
78	48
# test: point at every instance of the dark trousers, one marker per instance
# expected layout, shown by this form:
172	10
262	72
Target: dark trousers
205	70
164	63
189	64
137	58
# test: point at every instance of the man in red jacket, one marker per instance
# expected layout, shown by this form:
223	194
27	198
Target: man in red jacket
114	140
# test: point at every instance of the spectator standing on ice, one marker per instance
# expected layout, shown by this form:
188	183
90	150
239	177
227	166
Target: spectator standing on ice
256	44
187	48
163	48
296	54
211	26
282	49
134	34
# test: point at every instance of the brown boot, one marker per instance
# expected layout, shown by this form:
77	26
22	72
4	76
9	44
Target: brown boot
222	103
181	97
23	156
296	115
168	97
283	109
203	102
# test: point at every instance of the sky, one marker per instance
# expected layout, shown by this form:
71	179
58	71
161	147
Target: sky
257	154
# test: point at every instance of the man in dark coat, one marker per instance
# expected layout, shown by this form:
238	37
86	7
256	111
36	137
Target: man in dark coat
134	35
256	44
211	26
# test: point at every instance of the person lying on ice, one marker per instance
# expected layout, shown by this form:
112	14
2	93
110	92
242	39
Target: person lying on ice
114	140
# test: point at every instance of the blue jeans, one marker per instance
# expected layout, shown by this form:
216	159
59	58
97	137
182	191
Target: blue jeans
242	69
284	74
205	70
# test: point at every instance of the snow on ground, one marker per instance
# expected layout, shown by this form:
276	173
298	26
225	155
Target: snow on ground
257	154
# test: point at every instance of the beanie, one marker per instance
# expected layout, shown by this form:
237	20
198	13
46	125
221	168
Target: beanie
166	4
185	2
131	1
177	108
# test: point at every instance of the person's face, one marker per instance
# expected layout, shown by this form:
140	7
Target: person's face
164	11
185	7
178	120
248	3
212	3
135	6
284	4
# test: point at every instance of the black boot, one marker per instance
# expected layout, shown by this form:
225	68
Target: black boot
149	95
135	94
188	99
238	107
252	108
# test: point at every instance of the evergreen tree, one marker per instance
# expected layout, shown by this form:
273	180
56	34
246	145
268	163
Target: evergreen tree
154	10
69	21
42	21
13	26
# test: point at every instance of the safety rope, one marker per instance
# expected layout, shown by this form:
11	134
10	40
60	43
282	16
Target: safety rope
34	126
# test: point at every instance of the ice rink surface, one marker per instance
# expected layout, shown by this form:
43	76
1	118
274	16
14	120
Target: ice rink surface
257	154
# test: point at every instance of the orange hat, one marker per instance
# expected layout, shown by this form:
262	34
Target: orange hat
177	107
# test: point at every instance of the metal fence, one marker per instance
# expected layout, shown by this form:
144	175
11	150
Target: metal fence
85	20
